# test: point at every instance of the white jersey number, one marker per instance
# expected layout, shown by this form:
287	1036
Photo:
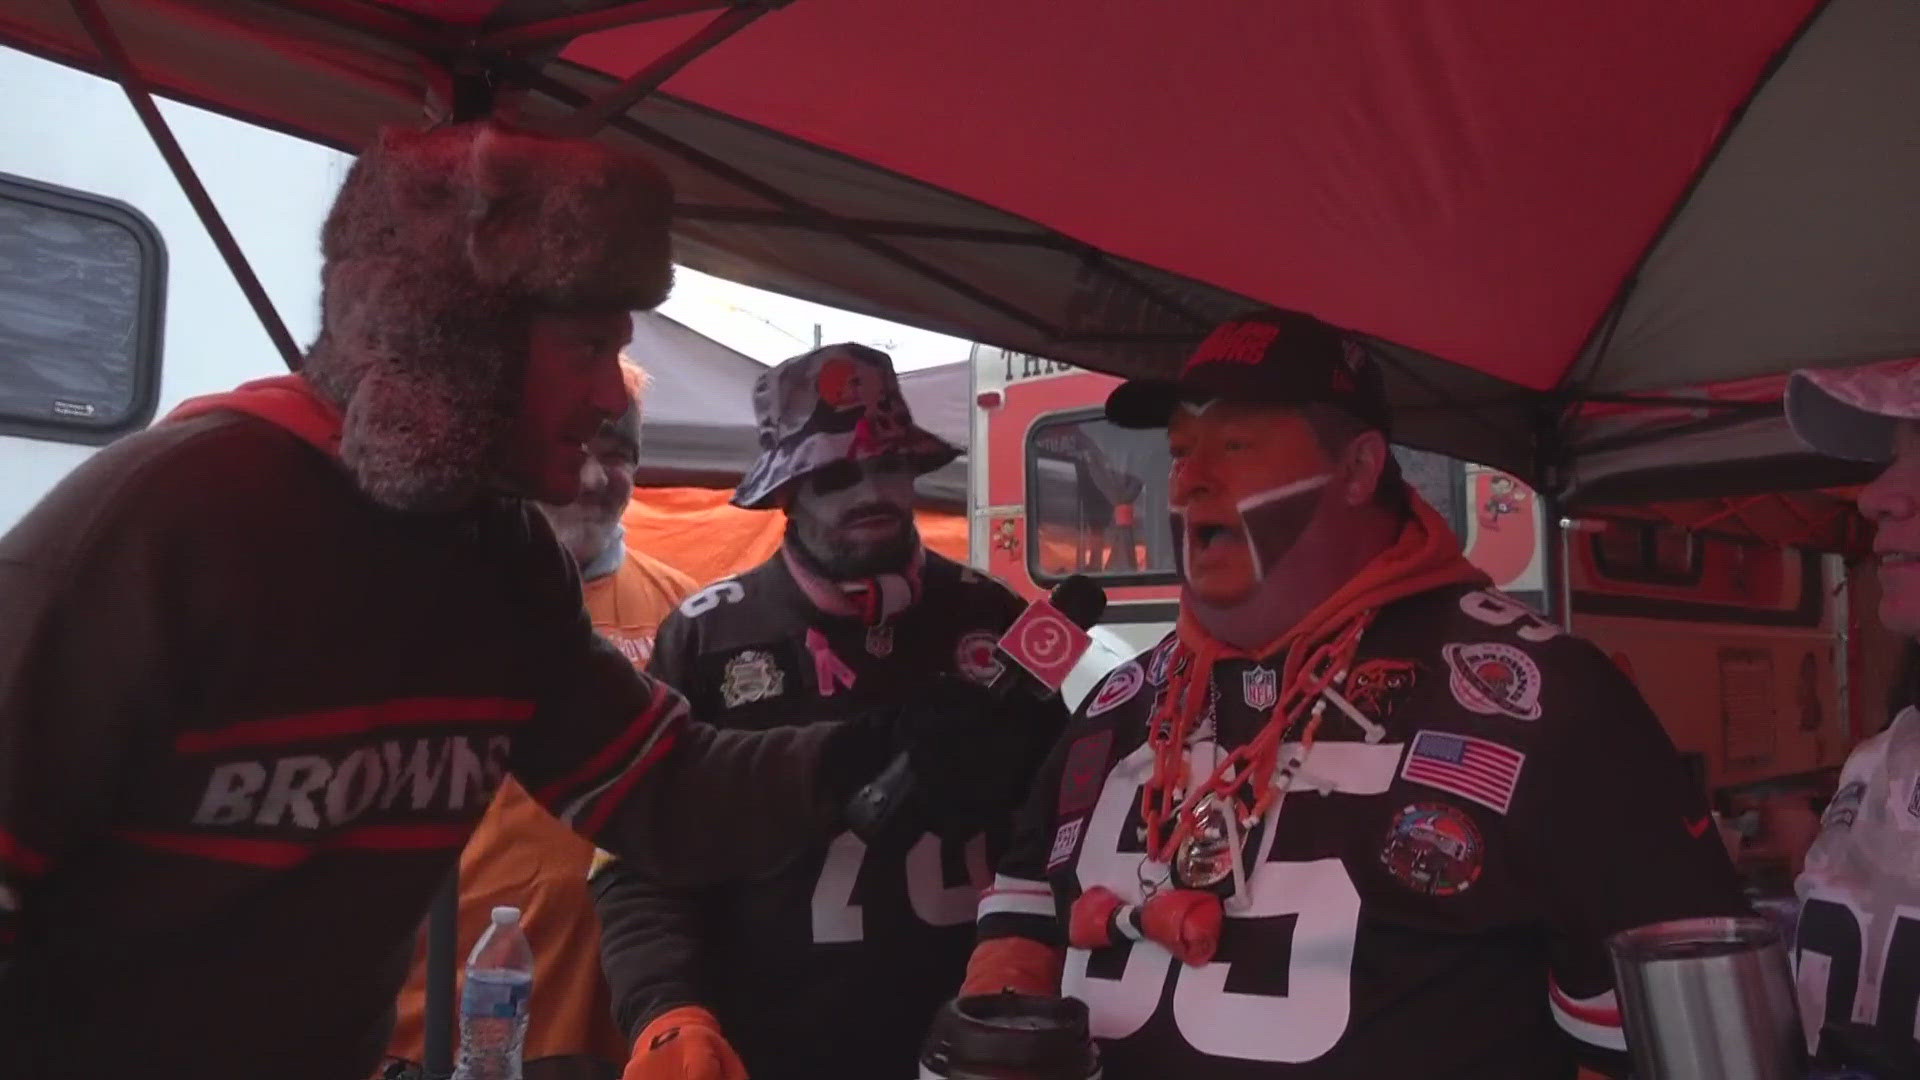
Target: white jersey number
720	592
1298	1026
836	918
1858	964
1497	610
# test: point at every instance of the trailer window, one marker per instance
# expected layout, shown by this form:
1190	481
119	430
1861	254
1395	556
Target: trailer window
1097	498
81	282
1648	553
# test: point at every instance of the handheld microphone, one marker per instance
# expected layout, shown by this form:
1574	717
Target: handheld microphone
1034	656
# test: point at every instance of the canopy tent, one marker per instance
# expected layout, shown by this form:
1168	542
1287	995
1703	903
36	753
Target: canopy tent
698	429
1523	207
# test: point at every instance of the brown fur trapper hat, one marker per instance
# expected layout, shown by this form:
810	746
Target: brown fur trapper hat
440	248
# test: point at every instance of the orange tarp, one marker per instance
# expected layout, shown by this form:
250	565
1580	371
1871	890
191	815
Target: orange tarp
696	531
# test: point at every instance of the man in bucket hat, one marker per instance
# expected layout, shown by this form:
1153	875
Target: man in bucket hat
1857	948
1358	815
263	666
833	967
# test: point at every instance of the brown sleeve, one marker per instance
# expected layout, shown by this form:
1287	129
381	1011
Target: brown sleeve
651	938
1603	862
736	805
613	754
652	945
91	627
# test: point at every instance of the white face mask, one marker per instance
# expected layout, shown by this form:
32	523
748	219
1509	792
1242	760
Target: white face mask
841	522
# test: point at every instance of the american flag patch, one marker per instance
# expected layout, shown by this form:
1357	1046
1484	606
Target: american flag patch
1472	768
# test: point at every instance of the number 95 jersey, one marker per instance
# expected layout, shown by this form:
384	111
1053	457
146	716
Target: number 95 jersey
1434	894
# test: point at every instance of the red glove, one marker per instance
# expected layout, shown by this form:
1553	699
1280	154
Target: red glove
683	1044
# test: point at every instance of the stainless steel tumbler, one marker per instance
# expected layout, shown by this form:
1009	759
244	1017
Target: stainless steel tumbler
1708	999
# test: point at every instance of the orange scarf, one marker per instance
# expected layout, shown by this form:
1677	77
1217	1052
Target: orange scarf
1319	650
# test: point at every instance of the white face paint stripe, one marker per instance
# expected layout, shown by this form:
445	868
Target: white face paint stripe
1284	491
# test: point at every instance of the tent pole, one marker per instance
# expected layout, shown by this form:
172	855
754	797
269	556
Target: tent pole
443	946
1555	534
567	27
114	55
593	116
565	94
1554	527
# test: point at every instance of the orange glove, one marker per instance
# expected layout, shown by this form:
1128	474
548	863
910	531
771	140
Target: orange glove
683	1044
1013	963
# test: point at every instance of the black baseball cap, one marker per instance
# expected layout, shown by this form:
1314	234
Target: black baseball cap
1268	357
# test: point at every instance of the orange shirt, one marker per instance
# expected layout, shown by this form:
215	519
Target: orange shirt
520	855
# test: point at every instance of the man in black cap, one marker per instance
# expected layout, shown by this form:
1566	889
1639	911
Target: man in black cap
1357	815
835	966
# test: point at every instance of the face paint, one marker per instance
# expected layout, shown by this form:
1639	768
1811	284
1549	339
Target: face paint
858	521
1272	520
1245	483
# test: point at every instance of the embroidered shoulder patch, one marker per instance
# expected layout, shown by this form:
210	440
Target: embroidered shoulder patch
1494	680
1085	772
1118	688
1158	662
974	658
751	676
1434	849
1376	686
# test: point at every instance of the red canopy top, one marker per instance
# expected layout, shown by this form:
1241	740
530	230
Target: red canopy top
1472	180
1518	207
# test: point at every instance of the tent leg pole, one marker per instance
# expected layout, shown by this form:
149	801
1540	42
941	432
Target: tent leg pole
114	54
1555	535
443	934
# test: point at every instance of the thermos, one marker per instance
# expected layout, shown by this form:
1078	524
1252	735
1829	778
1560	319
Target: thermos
1708	999
1010	1036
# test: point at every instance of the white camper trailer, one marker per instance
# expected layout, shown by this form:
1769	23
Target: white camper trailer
114	303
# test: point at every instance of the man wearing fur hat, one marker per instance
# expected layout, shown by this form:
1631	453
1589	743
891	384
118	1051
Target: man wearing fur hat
834	966
519	855
263	666
1357	816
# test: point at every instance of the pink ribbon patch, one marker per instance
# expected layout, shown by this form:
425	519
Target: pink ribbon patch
829	671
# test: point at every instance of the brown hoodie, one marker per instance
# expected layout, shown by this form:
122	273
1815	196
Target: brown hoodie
249	716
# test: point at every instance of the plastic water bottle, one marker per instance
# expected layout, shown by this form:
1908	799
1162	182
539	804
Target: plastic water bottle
494	1002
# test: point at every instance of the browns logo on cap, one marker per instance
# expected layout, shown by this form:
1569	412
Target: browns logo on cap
1268	357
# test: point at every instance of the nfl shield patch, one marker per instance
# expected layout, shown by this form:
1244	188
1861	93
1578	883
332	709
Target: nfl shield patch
1260	686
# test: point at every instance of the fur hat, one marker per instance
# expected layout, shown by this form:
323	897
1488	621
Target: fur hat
441	247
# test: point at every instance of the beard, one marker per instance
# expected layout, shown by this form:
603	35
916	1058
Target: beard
584	528
842	555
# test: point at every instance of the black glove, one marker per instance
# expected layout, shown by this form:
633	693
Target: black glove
971	757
